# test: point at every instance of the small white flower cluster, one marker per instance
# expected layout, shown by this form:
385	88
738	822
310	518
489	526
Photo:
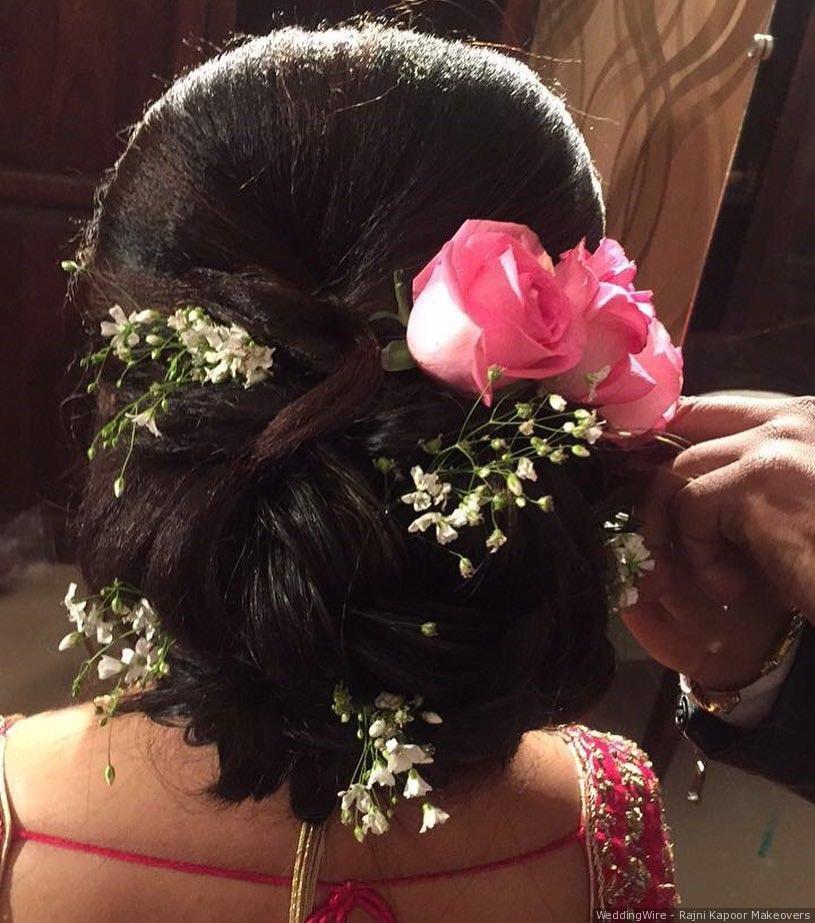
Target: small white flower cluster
220	353
388	762
630	559
125	330
495	459
119	616
190	345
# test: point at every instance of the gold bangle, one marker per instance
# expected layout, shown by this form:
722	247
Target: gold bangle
776	656
722	702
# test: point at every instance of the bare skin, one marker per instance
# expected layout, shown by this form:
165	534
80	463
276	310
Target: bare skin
731	522
54	763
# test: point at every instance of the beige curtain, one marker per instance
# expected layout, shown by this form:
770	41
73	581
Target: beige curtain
659	88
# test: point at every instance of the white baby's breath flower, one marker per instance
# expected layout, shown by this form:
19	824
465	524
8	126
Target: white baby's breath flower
220	353
87	619
429	490
431	717
557	403
632	558
144	619
106	704
138	660
445	533
423	523
380	775
416	786
145	419
468	512
432	817
627	596
110	329
514	485
75	607
355	796
377	728
496	540
108	666
121	330
419	499
374	821
104	632
465	568
389	701
70	597
147	316
70	640
526	470
402	757
527	428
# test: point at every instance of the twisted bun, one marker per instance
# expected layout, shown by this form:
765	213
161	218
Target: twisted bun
279	187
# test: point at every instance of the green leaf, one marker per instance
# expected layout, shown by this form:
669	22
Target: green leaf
396	357
384	315
400	288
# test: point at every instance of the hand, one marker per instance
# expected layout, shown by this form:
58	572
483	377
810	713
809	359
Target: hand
731	521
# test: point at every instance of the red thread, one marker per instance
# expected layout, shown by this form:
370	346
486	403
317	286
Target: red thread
282	881
156	862
346	898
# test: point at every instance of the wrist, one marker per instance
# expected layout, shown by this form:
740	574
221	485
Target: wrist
722	699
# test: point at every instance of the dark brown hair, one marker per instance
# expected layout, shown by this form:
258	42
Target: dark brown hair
279	186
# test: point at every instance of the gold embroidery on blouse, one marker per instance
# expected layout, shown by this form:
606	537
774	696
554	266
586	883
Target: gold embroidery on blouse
627	883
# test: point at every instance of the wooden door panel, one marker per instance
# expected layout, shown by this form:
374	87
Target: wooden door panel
75	74
38	339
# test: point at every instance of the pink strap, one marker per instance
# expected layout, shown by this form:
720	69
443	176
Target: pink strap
350	896
284	881
156	862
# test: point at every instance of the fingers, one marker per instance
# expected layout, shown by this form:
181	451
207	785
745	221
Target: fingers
707	456
702	418
702	517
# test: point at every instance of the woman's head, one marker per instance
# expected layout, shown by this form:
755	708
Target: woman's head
279	187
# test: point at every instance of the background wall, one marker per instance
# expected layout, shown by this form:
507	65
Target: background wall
660	90
75	74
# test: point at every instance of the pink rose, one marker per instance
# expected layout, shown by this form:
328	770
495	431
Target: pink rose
660	363
617	317
490	297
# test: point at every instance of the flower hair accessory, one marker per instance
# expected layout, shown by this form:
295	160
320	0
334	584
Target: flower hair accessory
192	348
118	617
564	355
387	766
492	296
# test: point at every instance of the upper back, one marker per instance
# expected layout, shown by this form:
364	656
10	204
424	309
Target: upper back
156	809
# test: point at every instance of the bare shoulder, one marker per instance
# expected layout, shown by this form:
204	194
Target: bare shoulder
55	768
545	768
43	753
158	804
